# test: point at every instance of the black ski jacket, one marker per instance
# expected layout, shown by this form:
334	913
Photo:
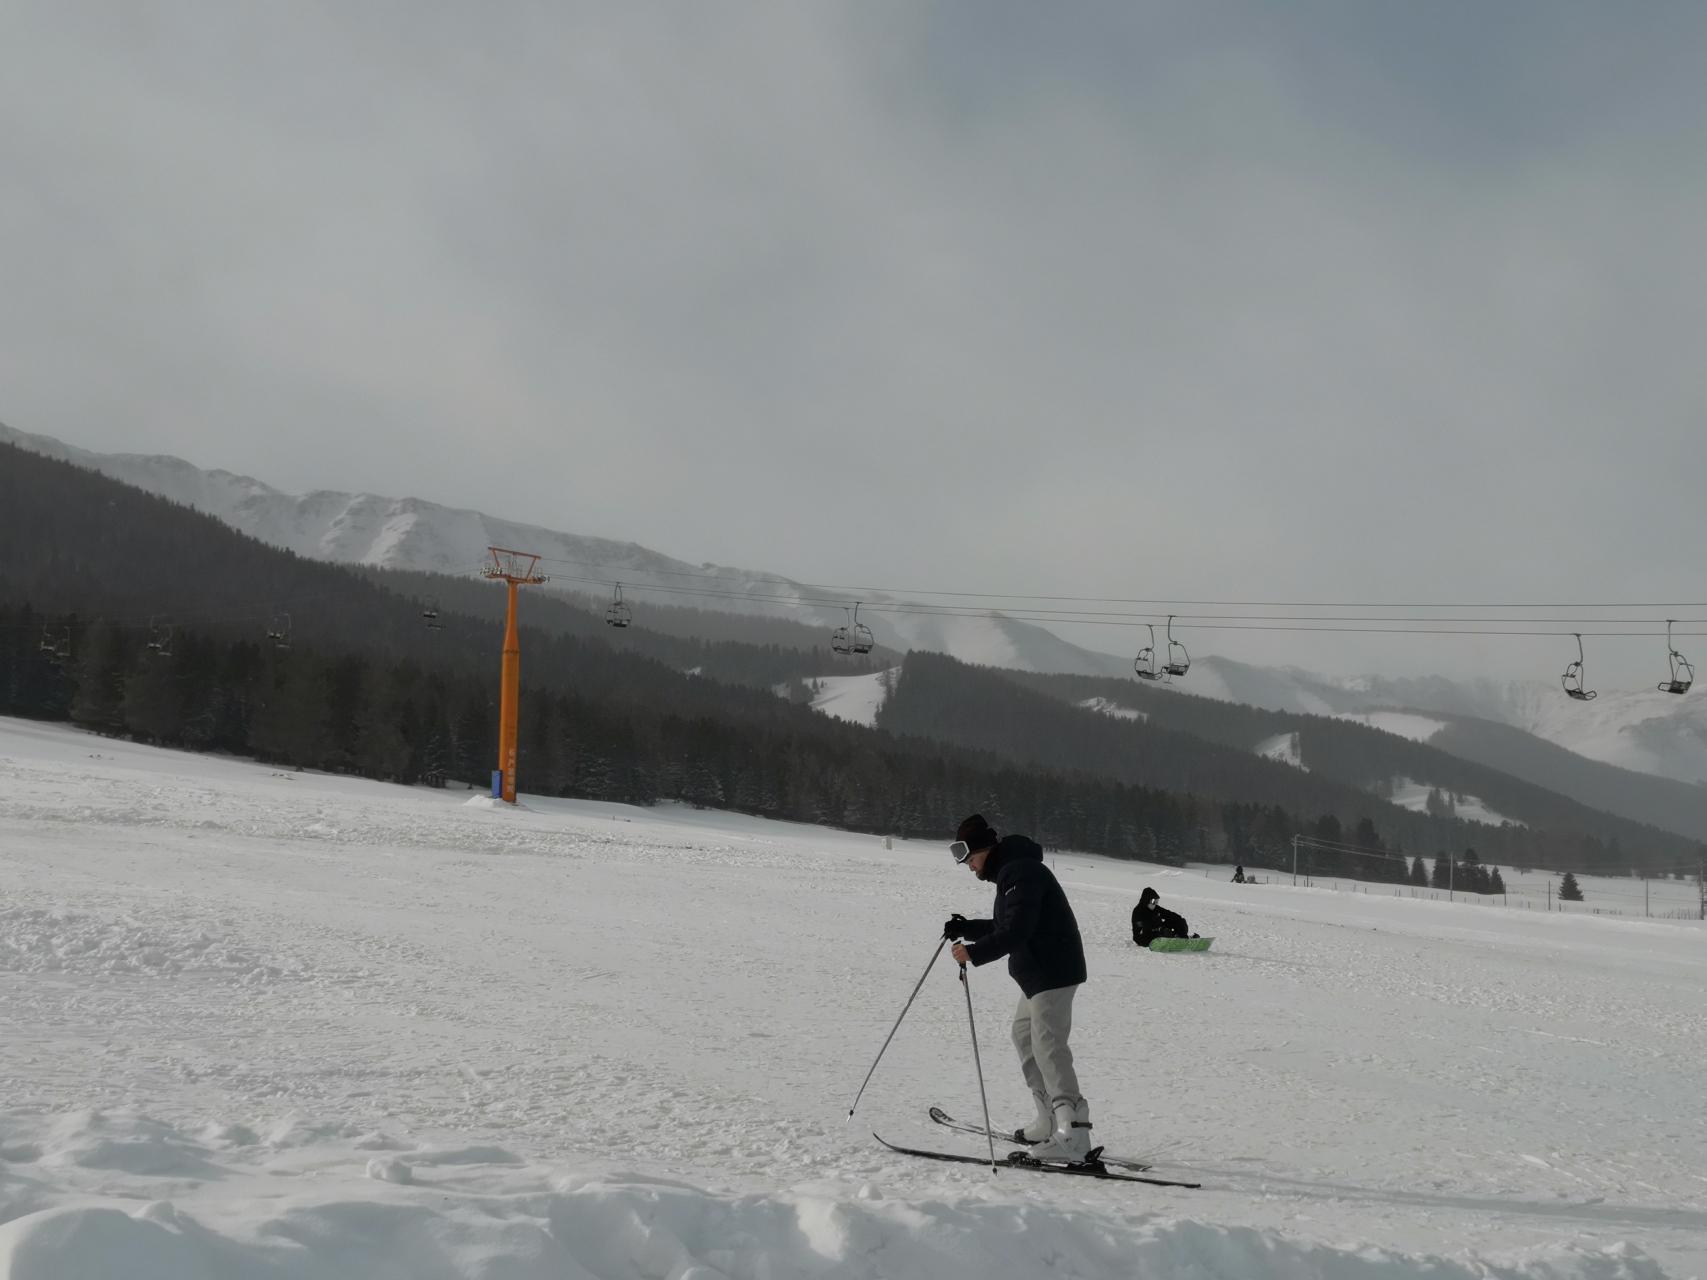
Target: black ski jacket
1033	927
1153	921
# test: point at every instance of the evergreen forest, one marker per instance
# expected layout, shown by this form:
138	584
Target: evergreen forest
129	615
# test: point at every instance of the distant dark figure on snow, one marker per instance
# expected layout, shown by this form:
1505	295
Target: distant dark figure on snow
1238	875
1150	920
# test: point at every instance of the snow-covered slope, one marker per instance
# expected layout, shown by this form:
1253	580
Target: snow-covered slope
1113	709
1642	730
1405	725
1416	795
1284	747
854	698
305	1026
413	534
1646	731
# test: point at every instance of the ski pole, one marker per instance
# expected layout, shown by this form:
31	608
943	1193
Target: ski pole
897	1026
989	1136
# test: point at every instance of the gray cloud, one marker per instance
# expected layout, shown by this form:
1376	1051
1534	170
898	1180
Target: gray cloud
1207	301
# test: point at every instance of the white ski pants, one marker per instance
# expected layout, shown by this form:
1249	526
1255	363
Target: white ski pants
1042	1024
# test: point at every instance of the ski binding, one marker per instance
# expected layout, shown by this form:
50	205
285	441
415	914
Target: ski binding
1014	1140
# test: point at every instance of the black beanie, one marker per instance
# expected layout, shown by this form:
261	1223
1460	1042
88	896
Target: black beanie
977	833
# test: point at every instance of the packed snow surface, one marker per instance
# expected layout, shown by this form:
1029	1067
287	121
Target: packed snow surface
1403	723
855	698
1107	708
1409	794
1285	748
1639	729
291	1025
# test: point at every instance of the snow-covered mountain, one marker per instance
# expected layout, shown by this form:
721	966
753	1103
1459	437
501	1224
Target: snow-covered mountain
1644	730
413	534
1639	729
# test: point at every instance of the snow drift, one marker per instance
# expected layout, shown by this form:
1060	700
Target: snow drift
207	1214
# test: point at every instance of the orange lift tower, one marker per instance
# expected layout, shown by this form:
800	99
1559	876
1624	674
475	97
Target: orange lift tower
515	568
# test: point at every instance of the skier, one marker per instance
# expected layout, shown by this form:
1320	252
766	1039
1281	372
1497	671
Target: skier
1151	920
1035	929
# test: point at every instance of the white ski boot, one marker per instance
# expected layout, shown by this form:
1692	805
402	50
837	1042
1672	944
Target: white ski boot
1071	1140
1041	1126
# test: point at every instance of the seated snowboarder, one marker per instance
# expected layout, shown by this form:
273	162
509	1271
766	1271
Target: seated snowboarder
1150	920
1238	875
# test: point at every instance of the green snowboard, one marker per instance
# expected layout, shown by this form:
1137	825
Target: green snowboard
1180	944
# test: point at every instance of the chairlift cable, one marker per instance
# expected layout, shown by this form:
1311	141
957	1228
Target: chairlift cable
1220	622
1158	600
1253	624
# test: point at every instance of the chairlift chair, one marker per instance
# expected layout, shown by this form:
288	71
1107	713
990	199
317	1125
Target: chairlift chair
863	640
430	615
854	637
619	614
160	637
279	631
1573	677
1179	661
1144	665
1682	674
57	648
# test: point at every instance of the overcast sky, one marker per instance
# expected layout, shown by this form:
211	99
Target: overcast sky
1363	301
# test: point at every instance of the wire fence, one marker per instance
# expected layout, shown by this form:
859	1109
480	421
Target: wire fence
1532	891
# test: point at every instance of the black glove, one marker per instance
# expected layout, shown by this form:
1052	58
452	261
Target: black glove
956	926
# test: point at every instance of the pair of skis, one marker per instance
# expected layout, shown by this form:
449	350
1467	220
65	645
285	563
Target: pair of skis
1095	1165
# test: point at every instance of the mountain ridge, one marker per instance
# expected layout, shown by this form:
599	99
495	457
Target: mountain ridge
1642	731
416	535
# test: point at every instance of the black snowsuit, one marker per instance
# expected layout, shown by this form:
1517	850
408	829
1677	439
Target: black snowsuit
1034	926
1150	921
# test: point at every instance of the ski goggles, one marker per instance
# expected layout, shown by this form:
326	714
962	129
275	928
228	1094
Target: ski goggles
962	851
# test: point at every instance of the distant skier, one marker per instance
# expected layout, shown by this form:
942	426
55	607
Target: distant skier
1035	929
1151	920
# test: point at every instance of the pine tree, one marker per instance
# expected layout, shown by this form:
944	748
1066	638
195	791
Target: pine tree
153	701
101	670
1569	891
1472	876
1443	877
1419	873
1496	882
